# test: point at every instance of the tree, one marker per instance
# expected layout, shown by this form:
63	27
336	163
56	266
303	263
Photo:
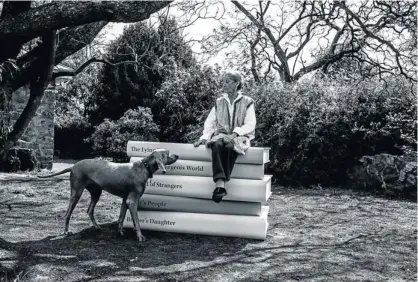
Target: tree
35	37
293	38
153	53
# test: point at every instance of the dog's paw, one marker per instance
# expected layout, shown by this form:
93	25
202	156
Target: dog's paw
121	233
141	238
68	233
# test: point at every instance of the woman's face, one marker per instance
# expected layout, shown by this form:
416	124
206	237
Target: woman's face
230	84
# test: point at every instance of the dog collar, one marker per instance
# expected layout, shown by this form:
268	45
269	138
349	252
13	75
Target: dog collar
146	164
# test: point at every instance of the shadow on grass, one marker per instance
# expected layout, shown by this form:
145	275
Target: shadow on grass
98	254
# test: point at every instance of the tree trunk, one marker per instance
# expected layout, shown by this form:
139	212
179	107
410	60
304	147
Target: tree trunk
45	66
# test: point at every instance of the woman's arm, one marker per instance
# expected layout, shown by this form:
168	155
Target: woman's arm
209	126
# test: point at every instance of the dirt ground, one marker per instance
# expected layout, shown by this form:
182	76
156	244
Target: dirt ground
314	235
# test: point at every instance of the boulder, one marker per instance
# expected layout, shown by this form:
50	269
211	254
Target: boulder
19	159
388	174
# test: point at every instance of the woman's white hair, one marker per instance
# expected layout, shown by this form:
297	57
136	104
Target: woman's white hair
236	75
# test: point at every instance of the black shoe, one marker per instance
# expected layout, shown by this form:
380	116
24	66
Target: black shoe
218	194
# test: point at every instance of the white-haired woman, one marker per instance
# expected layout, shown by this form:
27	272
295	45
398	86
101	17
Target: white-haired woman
228	130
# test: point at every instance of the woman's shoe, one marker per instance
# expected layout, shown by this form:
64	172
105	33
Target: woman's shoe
218	194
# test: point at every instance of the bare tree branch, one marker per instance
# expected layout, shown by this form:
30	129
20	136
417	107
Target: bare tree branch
88	63
326	60
277	49
372	35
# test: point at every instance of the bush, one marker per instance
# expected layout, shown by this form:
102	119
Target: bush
183	103
318	129
69	137
111	137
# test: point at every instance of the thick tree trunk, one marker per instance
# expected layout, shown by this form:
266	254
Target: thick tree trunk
45	68
60	14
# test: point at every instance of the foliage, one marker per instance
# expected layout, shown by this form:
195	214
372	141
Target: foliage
110	137
71	125
7	68
70	133
149	55
72	96
183	103
317	129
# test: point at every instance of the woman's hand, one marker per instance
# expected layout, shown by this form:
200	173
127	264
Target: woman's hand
230	137
200	142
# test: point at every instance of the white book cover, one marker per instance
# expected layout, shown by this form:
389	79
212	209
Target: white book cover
200	168
246	190
254	155
241	226
196	205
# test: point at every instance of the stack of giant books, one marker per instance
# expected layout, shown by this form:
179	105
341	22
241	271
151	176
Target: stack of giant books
180	200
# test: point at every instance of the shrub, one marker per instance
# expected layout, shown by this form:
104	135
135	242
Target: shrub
183	103
318	129
70	133
111	137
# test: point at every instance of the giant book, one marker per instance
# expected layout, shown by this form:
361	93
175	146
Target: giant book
201	168
196	205
242	226
254	155
246	190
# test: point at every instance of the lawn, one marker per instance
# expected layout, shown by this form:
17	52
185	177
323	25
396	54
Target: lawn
314	235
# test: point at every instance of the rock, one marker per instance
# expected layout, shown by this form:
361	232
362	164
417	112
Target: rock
19	159
388	174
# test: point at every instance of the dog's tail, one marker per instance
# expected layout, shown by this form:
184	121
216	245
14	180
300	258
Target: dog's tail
57	173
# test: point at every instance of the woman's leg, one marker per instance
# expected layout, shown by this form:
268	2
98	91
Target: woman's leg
218	152
223	160
229	158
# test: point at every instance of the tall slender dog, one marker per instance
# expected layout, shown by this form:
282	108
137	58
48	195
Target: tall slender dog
125	180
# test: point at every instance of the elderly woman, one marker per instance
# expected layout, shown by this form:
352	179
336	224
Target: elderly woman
228	130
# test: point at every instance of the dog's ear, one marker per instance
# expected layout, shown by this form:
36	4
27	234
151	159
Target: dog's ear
159	158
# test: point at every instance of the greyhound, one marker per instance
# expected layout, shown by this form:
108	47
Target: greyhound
125	180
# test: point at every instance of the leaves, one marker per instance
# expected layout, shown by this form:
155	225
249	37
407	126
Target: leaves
184	101
157	51
319	128
110	137
7	69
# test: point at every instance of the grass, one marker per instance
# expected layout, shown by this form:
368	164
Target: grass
314	235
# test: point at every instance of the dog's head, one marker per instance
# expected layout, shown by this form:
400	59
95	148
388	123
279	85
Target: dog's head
158	159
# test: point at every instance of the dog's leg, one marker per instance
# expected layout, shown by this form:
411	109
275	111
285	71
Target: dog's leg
95	192
123	209
77	188
132	203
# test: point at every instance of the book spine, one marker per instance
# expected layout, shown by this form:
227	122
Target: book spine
252	227
254	155
199	168
195	205
247	190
